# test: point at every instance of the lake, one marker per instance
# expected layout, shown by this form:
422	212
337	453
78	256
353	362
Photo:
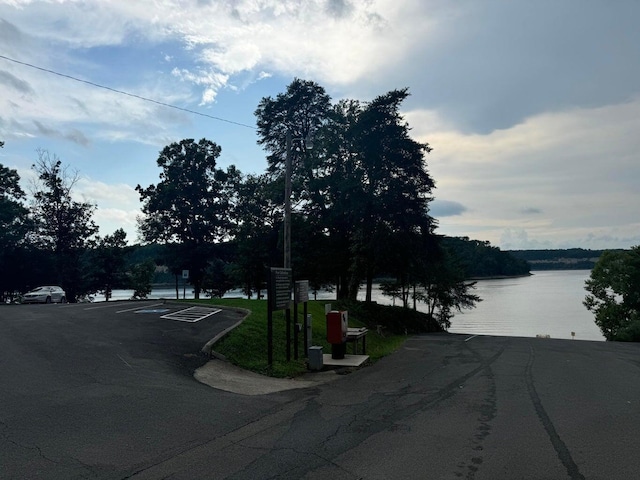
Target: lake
545	303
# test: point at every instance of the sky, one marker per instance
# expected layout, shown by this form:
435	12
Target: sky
532	108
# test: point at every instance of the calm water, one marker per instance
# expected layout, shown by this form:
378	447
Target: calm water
546	303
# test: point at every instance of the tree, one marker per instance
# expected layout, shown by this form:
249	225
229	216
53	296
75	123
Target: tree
256	215
63	226
443	287
285	127
300	111
396	186
14	227
107	263
190	206
364	181
614	287
140	278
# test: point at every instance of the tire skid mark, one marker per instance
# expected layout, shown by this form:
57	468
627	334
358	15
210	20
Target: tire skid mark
488	410
347	431
559	446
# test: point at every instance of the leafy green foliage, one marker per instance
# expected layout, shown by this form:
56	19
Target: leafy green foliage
479	259
362	192
63	226
140	278
257	217
190	205
105	264
614	287
14	226
561	259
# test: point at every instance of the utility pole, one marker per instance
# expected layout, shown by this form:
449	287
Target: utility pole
287	204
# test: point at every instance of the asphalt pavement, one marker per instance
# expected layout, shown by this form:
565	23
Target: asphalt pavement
108	392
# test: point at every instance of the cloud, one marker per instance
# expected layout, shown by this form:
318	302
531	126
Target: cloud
339	8
530	211
118	205
117	196
577	166
518	239
12	81
445	208
111	219
73	135
212	82
531	108
10	36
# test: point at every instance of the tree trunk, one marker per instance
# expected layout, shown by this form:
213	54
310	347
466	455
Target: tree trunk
414	298
369	287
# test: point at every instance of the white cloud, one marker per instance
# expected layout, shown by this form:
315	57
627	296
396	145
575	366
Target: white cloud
118	205
572	168
533	134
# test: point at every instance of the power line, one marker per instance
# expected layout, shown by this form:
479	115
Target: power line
93	84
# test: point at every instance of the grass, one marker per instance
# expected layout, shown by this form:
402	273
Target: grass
246	345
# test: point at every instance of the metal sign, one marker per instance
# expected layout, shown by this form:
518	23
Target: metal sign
302	291
280	288
185	274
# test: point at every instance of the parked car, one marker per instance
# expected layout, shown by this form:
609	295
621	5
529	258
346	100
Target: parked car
46	294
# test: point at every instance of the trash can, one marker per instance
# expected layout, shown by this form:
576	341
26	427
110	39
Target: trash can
315	358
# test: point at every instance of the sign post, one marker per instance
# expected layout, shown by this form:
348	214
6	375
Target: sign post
301	295
185	277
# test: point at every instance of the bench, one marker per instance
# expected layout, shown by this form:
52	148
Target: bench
355	334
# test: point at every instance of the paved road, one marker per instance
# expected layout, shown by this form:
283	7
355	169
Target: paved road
96	394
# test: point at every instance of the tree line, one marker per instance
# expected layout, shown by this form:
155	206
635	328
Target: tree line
360	211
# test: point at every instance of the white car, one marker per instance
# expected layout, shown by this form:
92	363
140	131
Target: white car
47	294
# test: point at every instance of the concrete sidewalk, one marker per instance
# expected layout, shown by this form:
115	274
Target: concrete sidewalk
230	378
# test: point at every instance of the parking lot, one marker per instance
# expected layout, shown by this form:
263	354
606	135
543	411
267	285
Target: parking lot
171	334
106	391
112	383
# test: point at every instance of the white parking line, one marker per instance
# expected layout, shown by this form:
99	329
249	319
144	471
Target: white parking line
192	314
470	338
114	305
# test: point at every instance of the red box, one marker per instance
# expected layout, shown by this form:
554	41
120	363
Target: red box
337	324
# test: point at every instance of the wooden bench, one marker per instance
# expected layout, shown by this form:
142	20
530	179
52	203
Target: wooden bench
355	334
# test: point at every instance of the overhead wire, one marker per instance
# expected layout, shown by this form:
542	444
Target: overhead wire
122	92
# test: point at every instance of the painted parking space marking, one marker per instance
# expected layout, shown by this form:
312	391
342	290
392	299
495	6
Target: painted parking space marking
139	307
192	314
103	305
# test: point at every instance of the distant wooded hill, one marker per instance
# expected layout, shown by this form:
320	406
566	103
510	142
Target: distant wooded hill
479	259
567	259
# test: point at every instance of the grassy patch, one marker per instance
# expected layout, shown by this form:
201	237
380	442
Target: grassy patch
246	345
